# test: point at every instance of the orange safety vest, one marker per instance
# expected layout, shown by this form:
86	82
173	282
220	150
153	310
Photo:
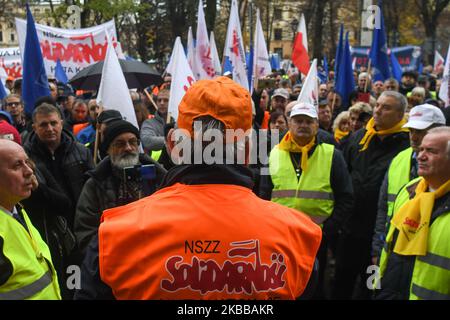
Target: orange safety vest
78	127
265	122
206	242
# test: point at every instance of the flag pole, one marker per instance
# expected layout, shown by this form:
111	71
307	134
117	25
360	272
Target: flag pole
368	71
150	98
97	135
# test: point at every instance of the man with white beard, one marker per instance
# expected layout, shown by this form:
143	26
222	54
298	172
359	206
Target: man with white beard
108	185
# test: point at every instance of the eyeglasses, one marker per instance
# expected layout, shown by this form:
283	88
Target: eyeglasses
13	104
122	144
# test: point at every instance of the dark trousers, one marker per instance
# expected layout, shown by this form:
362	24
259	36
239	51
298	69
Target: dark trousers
352	260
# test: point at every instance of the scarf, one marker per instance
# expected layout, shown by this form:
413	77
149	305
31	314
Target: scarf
288	144
371	132
339	134
413	220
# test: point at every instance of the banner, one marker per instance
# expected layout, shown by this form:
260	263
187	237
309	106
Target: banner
10	63
407	56
76	48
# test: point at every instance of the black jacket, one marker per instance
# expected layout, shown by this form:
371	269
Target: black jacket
396	281
67	165
341	185
91	285
100	193
367	170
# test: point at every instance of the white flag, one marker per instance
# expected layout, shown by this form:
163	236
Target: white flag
310	89
182	78
113	92
203	68
444	92
302	29
438	61
190	49
215	55
234	48
261	63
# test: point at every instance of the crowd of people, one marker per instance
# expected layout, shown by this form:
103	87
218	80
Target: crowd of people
346	186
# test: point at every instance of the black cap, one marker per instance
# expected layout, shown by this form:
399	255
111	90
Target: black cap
107	116
115	129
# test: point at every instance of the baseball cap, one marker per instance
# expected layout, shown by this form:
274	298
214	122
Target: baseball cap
423	116
304	108
5	115
8	132
221	98
10	78
107	116
280	92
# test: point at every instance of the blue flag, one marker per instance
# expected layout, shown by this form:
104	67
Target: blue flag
396	68
323	74
2	91
378	52
249	62
345	83
227	67
34	83
275	61
60	74
420	68
325	65
339	49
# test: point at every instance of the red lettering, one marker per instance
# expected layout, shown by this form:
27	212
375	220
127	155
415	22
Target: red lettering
237	277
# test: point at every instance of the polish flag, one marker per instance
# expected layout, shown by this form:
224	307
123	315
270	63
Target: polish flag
300	56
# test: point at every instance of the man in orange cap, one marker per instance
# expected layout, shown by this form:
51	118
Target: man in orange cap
196	238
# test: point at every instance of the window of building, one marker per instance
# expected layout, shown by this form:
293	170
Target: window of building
13	37
277	14
278	34
11	25
1	36
279	51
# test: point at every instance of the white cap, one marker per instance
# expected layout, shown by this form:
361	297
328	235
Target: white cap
304	108
423	116
281	92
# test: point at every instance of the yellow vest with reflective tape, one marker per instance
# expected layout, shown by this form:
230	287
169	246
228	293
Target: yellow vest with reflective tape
312	193
33	275
398	176
431	275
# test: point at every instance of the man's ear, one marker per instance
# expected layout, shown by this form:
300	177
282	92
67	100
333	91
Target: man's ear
170	141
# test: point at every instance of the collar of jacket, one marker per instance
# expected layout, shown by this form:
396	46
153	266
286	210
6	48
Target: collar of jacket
35	144
209	174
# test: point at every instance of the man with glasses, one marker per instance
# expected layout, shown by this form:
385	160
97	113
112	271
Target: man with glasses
152	130
108	186
14	106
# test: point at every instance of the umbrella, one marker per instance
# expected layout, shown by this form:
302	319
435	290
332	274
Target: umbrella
137	74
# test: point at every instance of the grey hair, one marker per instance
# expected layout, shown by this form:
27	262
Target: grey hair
401	99
442	130
214	131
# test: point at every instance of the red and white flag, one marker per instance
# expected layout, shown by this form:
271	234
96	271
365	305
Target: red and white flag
215	55
203	67
444	92
438	61
234	48
190	49
261	63
310	89
182	77
300	56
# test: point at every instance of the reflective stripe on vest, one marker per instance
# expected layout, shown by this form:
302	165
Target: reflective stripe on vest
29	289
398	176
304	194
312	193
436	260
425	294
